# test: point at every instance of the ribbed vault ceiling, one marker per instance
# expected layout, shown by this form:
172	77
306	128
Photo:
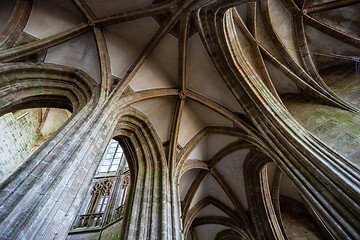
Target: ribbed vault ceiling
143	55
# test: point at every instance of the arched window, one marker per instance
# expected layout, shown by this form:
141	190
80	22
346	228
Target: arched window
112	158
107	194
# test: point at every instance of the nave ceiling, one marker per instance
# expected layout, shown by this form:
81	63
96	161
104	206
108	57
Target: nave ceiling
211	151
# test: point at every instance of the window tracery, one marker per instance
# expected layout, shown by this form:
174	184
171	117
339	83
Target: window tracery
108	191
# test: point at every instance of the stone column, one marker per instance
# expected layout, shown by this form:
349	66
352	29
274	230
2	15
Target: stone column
42	198
327	181
148	211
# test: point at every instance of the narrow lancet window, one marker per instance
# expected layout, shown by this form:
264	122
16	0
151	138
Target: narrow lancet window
107	195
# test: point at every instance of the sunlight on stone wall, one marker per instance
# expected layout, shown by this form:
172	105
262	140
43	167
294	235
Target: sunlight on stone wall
337	128
19	137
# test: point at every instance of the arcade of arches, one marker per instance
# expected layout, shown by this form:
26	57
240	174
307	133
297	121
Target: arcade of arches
179	119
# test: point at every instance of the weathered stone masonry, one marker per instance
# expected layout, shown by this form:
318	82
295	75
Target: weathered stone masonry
238	53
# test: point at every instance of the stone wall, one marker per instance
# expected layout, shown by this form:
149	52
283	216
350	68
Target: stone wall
298	223
110	231
337	128
18	139
83	235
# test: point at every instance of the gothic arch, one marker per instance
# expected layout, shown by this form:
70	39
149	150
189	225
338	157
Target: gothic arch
147	164
28	85
226	75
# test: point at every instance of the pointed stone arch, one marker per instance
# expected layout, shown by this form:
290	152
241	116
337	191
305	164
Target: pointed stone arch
148	208
28	85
